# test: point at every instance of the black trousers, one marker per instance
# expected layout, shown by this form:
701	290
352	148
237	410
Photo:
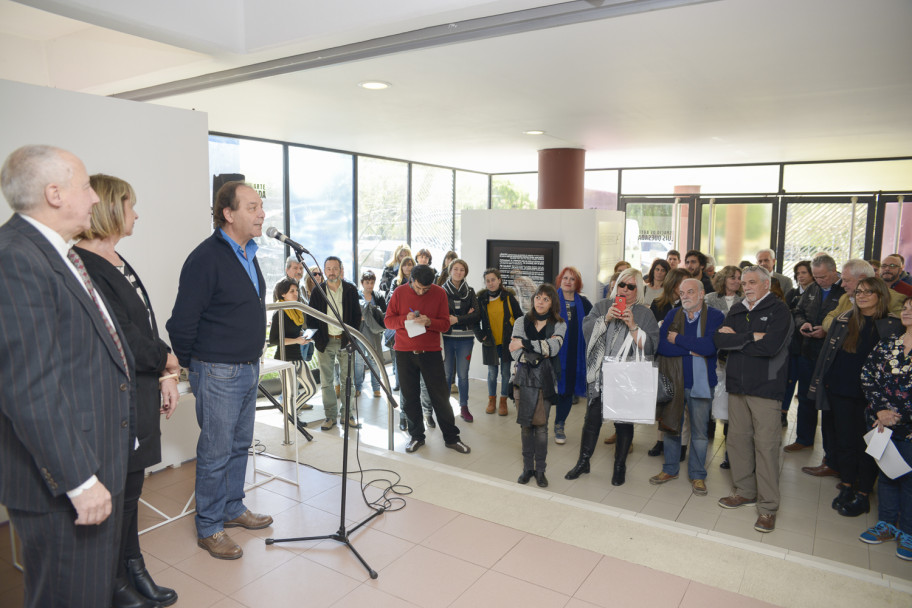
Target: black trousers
428	365
129	540
854	465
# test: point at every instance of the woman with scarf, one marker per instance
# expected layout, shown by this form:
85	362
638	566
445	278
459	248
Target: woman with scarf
536	340
498	310
605	329
574	307
293	325
459	339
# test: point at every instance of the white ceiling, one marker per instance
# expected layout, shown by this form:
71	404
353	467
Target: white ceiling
727	81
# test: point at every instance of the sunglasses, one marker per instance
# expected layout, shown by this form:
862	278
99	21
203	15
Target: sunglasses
631	286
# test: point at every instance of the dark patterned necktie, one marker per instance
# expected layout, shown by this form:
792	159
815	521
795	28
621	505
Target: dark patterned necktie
80	269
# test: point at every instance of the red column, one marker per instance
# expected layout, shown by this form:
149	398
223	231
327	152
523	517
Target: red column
561	173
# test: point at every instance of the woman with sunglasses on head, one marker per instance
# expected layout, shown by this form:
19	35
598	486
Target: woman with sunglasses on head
836	386
605	329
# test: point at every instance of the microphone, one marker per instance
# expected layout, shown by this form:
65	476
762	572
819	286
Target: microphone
274	233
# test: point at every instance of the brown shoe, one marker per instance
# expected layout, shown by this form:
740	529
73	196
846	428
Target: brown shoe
250	520
611	440
734	501
821	471
376	394
661	478
765	523
796	447
492	405
502	407
699	487
220	546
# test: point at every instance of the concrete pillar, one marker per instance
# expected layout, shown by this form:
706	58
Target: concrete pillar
561	174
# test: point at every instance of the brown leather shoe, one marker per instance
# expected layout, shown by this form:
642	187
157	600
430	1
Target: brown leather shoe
492	405
612	439
765	523
502	407
220	546
821	471
734	501
699	487
796	447
250	520
661	478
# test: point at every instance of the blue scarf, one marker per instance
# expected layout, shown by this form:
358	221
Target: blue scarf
579	387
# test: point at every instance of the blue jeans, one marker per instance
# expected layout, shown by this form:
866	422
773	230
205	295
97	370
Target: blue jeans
225	408
504	376
698	409
457	356
894	496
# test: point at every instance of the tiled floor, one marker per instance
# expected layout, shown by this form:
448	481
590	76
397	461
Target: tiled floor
470	536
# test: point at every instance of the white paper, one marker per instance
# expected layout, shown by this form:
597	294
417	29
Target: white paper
878	442
414	328
891	461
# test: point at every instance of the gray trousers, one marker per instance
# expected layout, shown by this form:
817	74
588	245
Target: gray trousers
754	437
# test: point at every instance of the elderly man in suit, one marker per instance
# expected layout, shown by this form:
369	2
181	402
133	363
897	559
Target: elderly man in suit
66	397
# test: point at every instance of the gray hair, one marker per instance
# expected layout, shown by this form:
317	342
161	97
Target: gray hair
859	269
769	251
824	260
28	170
757	270
697	281
292	260
710	261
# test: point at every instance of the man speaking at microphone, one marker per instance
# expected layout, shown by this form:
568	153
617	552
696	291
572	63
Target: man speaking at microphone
217	331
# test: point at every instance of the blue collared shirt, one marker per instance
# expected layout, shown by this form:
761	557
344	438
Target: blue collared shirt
245	256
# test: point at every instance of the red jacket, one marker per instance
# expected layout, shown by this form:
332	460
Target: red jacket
433	304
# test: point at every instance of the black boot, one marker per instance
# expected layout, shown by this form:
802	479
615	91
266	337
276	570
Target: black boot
625	439
526	476
125	596
142	581
657	449
855	507
587	447
846	494
540	479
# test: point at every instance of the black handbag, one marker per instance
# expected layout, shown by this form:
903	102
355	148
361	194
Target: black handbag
666	389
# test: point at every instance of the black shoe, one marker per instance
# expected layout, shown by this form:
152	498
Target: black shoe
403	424
540	479
430	422
581	467
413	445
125	596
846	494
683	453
725	463
142	582
526	476
657	449
459	447
620	475
855	507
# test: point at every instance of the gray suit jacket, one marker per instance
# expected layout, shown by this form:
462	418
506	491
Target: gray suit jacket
66	398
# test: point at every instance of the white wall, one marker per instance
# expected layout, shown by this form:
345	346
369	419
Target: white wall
577	231
163	152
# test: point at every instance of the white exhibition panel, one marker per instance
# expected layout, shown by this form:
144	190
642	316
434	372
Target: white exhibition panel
577	231
163	152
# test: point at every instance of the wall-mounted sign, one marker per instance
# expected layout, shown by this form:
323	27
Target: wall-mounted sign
524	265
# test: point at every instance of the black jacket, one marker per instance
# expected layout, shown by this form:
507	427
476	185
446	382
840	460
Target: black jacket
351	313
813	308
758	368
484	333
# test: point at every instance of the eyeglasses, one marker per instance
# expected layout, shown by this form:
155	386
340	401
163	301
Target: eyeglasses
318	274
891	266
631	286
864	292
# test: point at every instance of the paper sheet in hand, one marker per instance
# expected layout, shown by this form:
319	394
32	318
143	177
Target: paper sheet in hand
878	443
414	328
891	461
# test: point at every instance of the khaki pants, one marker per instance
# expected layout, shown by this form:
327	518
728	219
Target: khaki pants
754	436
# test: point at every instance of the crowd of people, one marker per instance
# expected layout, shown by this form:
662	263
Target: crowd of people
81	414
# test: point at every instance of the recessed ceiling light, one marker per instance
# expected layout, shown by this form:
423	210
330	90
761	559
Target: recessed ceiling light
374	85
534	132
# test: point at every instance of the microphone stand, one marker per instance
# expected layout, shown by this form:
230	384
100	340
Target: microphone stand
342	534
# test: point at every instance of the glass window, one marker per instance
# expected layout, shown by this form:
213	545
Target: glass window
432	211
471	193
261	164
600	190
865	176
514	191
733	232
754	179
649	234
837	228
382	211
897	235
320	204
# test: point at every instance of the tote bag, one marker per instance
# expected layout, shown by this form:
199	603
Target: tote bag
629	388
720	398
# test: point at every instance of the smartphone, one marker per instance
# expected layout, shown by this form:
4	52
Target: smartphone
621	303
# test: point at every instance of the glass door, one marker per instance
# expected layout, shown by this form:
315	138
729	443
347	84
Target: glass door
655	226
735	229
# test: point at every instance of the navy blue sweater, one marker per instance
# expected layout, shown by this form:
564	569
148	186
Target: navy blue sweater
689	342
218	316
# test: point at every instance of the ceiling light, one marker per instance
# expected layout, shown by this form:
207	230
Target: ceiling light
374	85
534	132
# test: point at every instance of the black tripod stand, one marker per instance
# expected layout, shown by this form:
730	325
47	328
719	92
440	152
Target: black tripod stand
342	534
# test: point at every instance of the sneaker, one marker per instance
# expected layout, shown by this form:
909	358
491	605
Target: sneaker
328	423
765	523
352	423
879	533
699	487
734	501
459	447
904	548
376	394
661	478
560	438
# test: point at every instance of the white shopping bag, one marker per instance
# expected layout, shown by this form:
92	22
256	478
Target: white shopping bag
629	387
720	399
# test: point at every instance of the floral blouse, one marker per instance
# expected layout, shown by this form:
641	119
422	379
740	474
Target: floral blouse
886	379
